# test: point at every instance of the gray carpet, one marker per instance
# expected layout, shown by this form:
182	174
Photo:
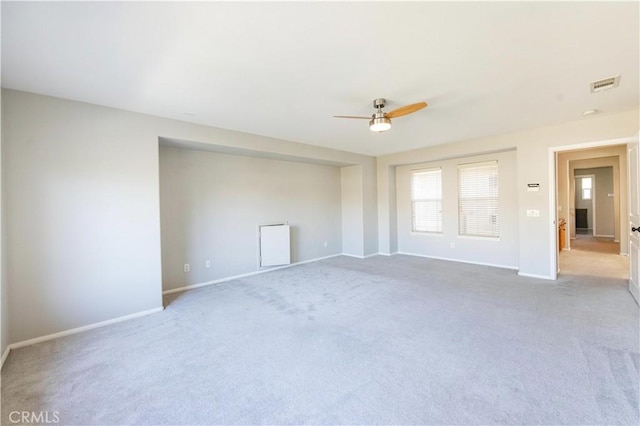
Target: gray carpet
397	340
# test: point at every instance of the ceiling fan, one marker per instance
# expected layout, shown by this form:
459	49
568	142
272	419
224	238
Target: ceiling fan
380	121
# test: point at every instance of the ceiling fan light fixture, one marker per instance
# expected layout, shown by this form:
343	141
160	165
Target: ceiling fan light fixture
379	124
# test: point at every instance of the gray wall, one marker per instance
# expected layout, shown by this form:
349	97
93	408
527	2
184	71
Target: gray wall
448	245
352	211
604	204
370	207
82	207
82	212
211	205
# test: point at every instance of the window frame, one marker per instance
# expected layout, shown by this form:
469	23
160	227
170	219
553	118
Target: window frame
439	226
588	188
492	203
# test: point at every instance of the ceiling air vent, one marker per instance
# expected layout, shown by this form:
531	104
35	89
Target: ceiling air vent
604	84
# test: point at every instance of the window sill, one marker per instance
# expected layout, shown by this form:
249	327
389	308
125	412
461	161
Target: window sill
471	237
427	234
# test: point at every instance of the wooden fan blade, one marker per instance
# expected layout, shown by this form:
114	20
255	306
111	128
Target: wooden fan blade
407	109
352	116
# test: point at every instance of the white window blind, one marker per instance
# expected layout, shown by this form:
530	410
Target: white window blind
478	199
426	200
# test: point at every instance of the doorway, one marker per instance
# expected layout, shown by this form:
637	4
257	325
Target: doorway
591	196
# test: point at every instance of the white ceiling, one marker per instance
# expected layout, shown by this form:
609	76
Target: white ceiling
283	69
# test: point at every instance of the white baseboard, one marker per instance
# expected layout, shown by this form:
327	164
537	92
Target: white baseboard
493	265
388	254
635	291
604	236
4	356
248	274
83	328
515	268
542	277
357	256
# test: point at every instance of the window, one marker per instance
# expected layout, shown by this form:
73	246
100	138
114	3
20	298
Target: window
586	188
478	199
426	200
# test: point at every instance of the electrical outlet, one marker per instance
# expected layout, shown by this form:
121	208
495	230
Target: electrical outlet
533	213
207	264
187	267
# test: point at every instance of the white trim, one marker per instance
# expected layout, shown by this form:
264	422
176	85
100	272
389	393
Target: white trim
595	144
635	291
357	256
542	277
478	237
249	274
4	356
388	254
606	236
83	328
448	259
554	261
427	234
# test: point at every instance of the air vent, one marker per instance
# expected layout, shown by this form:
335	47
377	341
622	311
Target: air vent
605	84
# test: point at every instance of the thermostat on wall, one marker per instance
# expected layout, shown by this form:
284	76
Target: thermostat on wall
533	187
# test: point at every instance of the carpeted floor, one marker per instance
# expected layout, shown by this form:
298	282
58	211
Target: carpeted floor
384	340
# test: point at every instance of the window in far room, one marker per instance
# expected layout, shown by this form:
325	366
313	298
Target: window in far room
587	183
426	200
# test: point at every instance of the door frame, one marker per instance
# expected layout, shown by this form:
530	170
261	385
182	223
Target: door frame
553	182
634	218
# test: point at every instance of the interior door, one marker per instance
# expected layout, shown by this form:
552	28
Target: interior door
633	156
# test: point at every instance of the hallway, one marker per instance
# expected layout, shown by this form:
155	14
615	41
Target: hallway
594	256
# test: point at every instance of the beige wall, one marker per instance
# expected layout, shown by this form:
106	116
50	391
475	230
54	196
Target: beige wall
536	245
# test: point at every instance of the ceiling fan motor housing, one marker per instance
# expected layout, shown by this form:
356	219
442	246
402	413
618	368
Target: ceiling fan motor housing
379	103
